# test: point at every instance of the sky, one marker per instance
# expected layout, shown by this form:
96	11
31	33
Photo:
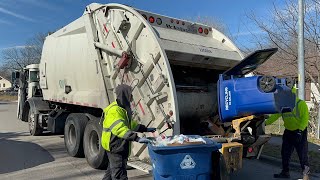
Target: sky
20	20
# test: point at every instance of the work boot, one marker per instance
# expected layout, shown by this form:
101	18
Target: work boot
129	167
283	175
306	173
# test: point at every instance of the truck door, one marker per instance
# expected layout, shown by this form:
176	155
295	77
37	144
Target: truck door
43	76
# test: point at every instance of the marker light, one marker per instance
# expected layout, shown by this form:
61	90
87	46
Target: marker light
200	30
159	21
151	19
206	31
145	16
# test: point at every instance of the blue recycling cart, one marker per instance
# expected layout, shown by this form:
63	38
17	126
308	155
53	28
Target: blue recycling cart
183	162
240	96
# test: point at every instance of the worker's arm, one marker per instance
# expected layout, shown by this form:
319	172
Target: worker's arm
304	115
272	118
135	126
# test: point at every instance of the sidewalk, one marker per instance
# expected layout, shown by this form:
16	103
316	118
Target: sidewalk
272	152
277	140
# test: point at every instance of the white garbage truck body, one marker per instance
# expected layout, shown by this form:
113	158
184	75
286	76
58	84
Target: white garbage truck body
172	65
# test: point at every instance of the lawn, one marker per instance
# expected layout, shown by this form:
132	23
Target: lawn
6	97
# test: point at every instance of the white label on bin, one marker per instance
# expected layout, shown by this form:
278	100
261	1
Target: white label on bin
227	98
187	163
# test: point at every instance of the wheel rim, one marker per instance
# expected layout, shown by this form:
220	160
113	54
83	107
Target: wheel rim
94	143
31	121
72	135
267	84
289	82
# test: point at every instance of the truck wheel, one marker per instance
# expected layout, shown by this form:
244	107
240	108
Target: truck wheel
34	126
73	134
95	154
267	83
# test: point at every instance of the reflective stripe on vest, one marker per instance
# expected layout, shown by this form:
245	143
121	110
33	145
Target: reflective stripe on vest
112	126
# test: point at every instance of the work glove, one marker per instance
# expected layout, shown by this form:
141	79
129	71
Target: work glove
144	140
151	129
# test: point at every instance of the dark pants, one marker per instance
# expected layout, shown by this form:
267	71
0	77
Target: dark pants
292	140
117	167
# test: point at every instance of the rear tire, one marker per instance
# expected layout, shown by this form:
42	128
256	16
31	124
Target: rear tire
73	134
95	154
34	127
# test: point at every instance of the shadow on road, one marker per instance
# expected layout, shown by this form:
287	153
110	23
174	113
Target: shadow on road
17	155
4	102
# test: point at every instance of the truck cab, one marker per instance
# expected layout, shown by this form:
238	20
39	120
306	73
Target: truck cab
29	90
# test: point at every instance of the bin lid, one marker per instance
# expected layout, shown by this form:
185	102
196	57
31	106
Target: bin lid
251	62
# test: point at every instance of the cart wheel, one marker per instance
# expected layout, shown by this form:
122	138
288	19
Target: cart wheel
267	83
289	82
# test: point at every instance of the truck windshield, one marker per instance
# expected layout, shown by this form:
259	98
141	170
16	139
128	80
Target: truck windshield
34	76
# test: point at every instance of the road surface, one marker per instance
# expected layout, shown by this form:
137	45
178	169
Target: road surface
44	157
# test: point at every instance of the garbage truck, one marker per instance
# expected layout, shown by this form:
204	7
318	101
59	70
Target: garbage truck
176	69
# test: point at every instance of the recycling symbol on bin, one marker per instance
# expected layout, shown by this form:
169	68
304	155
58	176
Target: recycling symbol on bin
187	163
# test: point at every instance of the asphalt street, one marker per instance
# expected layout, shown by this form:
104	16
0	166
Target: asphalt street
44	157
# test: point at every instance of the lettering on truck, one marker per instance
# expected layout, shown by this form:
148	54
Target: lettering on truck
205	50
189	29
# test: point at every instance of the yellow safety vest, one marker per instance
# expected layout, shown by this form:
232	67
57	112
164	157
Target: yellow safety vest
116	122
297	119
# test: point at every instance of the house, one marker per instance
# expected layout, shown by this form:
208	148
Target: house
4	83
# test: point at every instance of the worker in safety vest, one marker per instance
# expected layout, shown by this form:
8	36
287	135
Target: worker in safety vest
118	130
294	137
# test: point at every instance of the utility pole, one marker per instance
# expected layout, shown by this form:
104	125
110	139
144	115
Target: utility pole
301	75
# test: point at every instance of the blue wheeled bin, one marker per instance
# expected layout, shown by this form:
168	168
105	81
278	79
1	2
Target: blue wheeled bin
240	96
190	162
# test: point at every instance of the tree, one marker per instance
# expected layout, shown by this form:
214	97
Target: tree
17	58
212	22
5	73
281	31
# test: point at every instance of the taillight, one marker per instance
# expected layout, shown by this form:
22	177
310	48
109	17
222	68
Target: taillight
177	22
159	21
250	150
151	19
145	16
206	31
200	30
